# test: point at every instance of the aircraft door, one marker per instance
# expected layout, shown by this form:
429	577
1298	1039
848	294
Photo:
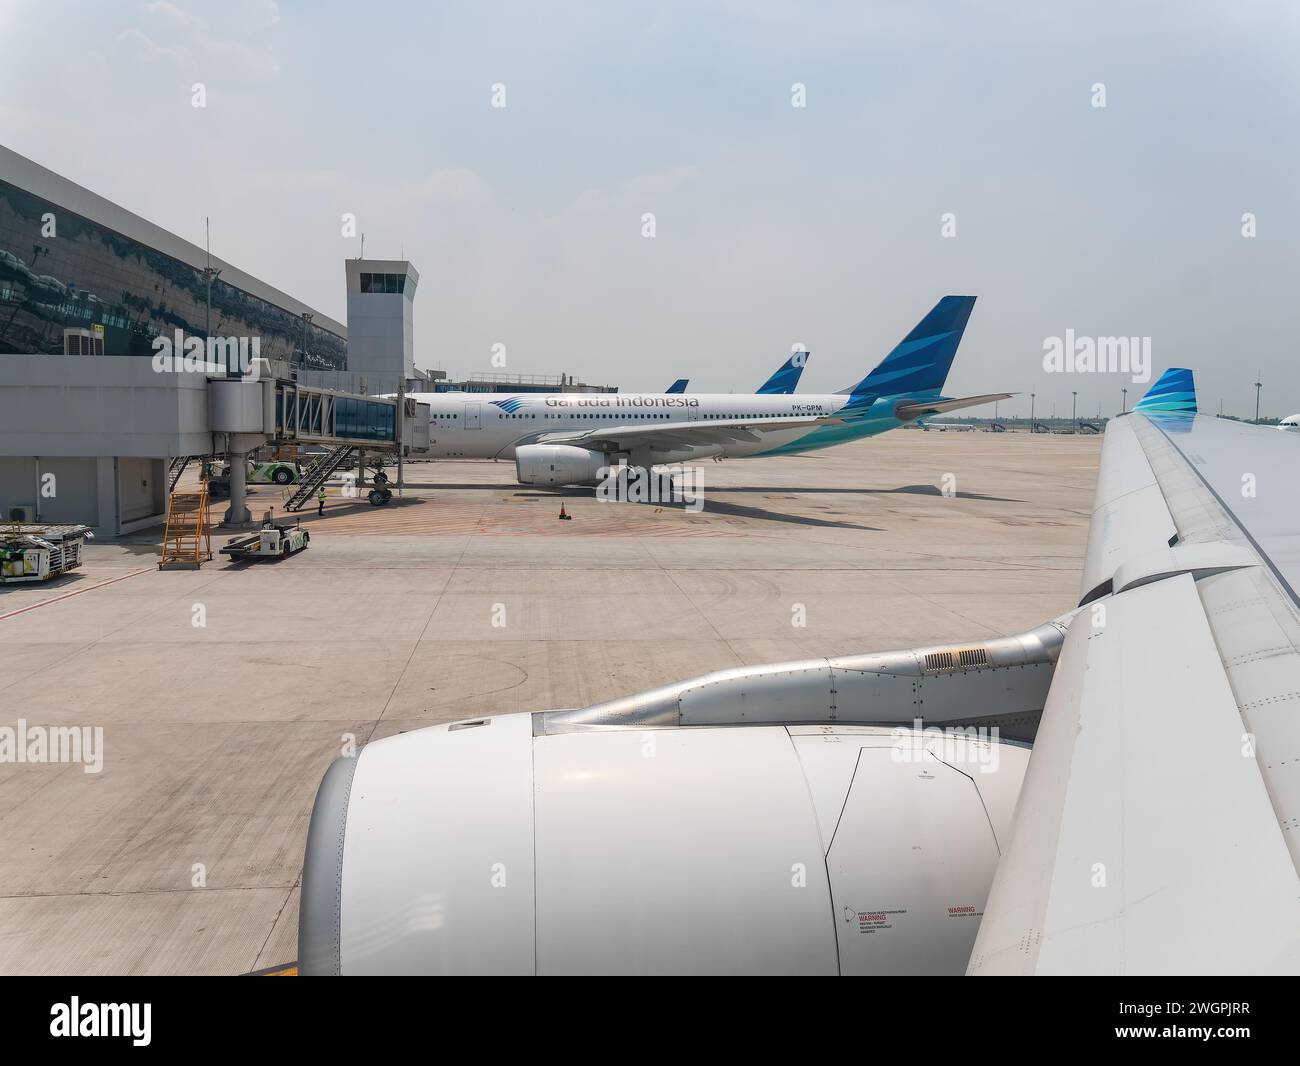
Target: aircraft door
472	416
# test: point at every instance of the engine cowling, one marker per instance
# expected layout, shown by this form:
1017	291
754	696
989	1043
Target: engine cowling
558	464
496	846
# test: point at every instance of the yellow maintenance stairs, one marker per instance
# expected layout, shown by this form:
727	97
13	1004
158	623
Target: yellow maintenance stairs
186	538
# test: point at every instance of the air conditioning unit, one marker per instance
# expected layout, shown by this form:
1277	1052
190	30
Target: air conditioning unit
25	513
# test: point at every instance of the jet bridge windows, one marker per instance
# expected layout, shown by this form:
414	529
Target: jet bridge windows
363	419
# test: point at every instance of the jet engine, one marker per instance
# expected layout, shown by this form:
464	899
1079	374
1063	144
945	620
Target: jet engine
558	464
482	848
684	830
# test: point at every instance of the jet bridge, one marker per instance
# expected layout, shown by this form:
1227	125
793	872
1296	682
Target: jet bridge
306	414
131	418
252	411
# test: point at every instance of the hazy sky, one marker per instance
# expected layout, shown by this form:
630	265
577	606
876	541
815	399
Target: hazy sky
774	224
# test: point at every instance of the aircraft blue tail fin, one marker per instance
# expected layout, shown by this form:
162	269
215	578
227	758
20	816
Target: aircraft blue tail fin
678	386
921	360
786	378
1173	393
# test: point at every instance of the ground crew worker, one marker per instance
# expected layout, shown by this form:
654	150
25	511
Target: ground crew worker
320	501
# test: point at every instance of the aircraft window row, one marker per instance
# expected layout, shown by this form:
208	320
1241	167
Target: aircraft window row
578	415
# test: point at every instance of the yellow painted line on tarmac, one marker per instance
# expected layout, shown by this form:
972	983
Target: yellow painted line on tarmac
285	969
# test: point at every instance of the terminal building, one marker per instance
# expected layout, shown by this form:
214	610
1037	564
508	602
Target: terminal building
73	264
89	425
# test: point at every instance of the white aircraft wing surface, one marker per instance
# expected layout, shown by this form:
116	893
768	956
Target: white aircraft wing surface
1158	830
684	434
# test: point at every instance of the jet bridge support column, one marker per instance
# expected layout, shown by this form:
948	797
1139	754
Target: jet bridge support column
398	422
243	411
237	514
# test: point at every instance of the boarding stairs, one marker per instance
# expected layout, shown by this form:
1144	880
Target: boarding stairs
316	476
186	536
179	465
177	468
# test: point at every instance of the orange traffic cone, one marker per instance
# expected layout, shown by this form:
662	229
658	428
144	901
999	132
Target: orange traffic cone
564	517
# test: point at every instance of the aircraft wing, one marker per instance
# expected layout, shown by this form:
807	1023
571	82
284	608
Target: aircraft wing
906	412
1158	829
670	436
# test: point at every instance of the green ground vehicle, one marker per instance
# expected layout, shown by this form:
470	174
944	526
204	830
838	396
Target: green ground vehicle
274	540
35	552
259	472
274	472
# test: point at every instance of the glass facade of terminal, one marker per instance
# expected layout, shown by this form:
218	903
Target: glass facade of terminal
87	279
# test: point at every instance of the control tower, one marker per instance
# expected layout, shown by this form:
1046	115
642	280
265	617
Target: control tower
381	293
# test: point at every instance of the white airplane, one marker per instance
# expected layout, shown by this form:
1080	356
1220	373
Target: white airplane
1290	424
569	438
804	818
948	427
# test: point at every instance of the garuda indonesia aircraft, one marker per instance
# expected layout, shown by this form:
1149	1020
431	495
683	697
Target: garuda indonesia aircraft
569	438
1116	791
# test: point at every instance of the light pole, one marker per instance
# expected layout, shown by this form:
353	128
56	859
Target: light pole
1031	412
1074	409
306	325
1124	404
1258	385
210	274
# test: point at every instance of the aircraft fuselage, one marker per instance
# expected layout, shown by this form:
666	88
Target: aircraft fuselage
493	425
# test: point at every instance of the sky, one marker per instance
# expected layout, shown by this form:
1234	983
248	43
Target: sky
774	225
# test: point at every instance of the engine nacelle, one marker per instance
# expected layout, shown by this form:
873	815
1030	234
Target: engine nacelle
495	846
558	464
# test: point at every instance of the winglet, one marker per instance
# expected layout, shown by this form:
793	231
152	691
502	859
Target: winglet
1173	393
786	378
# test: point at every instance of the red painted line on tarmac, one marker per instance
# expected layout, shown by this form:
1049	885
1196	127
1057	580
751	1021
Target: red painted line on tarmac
75	592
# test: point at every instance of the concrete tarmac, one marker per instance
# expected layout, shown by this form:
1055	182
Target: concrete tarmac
223	693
